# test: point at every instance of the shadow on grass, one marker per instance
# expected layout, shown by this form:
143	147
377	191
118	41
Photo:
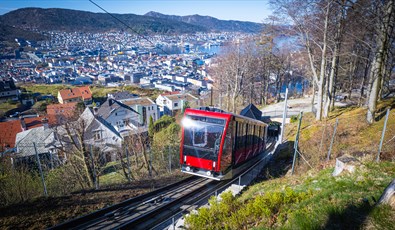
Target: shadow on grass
280	163
352	217
382	112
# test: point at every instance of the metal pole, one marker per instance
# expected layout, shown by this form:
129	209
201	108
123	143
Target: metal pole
211	97
383	134
169	160
128	161
150	163
40	170
93	169
280	140
296	143
333	139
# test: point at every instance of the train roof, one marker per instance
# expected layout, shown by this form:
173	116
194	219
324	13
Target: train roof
219	114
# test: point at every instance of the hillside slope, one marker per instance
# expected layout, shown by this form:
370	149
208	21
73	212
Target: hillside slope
212	23
313	198
83	21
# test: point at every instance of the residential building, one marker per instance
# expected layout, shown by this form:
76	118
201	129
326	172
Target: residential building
120	96
9	130
119	115
61	113
146	108
79	94
41	141
169	104
97	133
8	90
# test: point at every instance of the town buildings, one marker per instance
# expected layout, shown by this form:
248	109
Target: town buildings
79	94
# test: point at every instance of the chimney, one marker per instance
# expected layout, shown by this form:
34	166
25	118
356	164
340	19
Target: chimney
23	123
110	102
44	122
95	110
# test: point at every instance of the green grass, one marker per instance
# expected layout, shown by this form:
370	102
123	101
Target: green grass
4	107
97	91
319	200
112	178
314	201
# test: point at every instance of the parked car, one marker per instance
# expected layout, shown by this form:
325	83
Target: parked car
16	114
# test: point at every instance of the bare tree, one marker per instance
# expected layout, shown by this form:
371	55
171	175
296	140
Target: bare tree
386	27
235	73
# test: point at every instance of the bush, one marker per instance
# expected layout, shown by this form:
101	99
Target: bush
294	118
269	208
61	181
18	185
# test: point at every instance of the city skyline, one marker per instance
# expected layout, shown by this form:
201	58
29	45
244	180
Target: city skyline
251	10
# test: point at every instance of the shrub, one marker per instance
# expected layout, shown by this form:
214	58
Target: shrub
230	213
294	119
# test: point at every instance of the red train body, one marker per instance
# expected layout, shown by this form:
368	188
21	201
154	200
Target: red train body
219	145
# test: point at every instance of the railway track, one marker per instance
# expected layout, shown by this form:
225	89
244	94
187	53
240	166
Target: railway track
137	208
155	210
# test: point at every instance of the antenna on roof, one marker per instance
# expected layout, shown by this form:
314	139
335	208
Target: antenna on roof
123	23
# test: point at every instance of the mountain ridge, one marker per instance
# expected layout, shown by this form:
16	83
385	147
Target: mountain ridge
212	23
151	23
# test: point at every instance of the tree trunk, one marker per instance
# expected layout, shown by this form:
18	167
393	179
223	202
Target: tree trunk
362	88
351	78
312	99
377	66
321	82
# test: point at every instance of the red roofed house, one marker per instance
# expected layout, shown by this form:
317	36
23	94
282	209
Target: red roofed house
60	113
79	94
9	129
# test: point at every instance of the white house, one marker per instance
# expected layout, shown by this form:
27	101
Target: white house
96	132
170	104
41	141
146	109
119	115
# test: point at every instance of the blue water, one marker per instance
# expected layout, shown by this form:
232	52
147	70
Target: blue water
293	87
193	49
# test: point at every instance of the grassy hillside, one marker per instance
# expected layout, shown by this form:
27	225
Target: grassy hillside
97	91
313	198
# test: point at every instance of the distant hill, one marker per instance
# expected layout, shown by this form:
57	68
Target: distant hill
211	23
152	22
82	21
9	33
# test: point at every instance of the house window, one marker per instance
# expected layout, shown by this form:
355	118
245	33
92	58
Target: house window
97	135
144	116
175	104
148	108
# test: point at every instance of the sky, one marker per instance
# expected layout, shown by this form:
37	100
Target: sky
248	10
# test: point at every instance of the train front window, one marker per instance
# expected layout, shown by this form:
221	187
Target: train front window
202	136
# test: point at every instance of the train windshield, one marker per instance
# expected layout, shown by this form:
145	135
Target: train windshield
203	135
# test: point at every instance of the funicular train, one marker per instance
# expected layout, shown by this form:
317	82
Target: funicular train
219	145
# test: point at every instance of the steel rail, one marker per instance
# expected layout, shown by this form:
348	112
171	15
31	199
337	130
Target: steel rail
74	223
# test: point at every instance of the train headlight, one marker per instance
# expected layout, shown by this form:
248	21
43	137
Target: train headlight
208	173
188	168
